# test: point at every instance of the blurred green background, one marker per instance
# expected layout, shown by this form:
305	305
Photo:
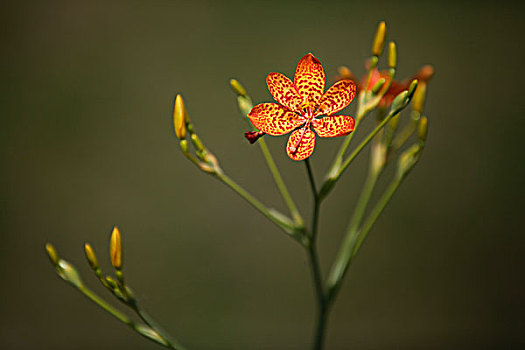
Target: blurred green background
87	143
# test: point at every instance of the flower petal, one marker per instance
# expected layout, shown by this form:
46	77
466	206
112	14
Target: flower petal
284	91
337	125
337	97
301	143
274	119
309	79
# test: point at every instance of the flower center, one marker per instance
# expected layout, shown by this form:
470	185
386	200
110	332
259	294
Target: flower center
307	114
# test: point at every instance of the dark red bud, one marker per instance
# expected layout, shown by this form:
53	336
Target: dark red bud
253	136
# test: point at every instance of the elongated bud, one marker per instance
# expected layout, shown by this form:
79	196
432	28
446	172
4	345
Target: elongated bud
52	254
399	100
180	117
130	296
90	256
111	282
237	87
412	88
379	39
392	55
418	102
69	273
378	85
115	249
197	142
422	129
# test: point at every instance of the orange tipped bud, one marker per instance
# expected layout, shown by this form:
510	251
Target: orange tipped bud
180	117
90	256
115	249
425	73
379	39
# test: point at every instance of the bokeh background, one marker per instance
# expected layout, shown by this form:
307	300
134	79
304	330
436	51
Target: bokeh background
87	143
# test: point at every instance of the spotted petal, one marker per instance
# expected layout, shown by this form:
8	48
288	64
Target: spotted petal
301	144
337	125
309	79
284	91
274	119
337	97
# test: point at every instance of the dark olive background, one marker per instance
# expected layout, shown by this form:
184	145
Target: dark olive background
87	143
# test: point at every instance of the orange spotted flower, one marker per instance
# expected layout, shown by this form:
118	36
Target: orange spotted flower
301	103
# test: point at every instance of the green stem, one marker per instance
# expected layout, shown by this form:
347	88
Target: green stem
322	306
365	142
274	216
280	183
374	215
407	131
146	332
147	320
108	308
345	252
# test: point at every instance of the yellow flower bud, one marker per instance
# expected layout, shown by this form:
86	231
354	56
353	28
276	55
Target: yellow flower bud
237	87
379	39
392	55
115	249
422	129
180	117
418	102
412	88
52	254
90	256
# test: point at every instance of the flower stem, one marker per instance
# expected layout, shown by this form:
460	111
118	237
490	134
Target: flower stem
274	216
151	324
333	177
280	183
147	332
345	253
374	215
322	306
